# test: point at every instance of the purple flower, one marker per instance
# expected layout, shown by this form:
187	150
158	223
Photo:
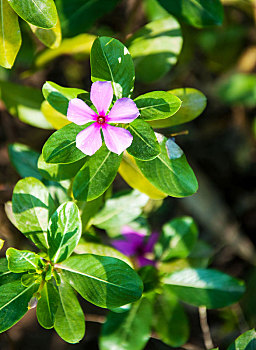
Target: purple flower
116	139
137	245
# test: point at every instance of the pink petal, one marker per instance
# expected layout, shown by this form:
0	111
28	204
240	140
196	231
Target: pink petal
127	248
79	113
116	139
123	111
89	140
144	261
102	96
149	246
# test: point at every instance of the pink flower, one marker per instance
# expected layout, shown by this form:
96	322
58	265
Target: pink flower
116	139
137	245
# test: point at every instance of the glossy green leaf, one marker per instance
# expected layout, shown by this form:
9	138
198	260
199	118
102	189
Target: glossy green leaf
102	250
170	320
198	13
133	176
32	206
129	330
193	104
238	89
246	341
47	305
49	37
205	287
144	144
24	160
6	276
24	102
116	282
154	10
41	13
111	61
120	210
64	232
59	97
155	48
22	260
178	238
58	172
77	16
59	191
88	210
171	176
80	44
61	145
10	37
157	105
14	302
69	320
55	118
97	174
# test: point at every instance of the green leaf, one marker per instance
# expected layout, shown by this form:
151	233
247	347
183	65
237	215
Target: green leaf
158	42
171	176
193	104
170	321
1	243
116	282
47	305
24	160
58	172
246	341
22	260
205	287
111	61
144	145
102	250
129	330
80	44
157	105
153	10
64	232
32	206
49	37
41	13
14	301
238	89
59	97
6	276
55	118
97	174
77	16
69	320
10	37
133	176
178	238
61	146
198	13
120	210
24	102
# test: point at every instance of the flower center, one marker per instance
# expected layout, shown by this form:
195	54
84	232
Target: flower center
101	119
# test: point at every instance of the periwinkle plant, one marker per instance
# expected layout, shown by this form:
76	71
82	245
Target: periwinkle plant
65	196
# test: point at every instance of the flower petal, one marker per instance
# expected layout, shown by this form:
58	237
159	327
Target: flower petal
79	113
127	248
152	239
144	261
102	96
116	139
123	111
89	140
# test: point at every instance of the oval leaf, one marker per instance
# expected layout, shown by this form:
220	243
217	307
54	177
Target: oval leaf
49	37
111	61
205	287
116	282
21	260
41	13
64	232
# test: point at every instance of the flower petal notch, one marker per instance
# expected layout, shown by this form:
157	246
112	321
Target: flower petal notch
124	111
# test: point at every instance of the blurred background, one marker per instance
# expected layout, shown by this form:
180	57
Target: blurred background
220	61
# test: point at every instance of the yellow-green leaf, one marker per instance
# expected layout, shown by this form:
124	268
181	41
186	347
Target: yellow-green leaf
55	118
49	37
10	37
133	176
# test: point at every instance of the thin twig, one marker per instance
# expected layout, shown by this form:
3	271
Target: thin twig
184	132
208	343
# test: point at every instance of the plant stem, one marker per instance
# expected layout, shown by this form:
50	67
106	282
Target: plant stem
208	343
